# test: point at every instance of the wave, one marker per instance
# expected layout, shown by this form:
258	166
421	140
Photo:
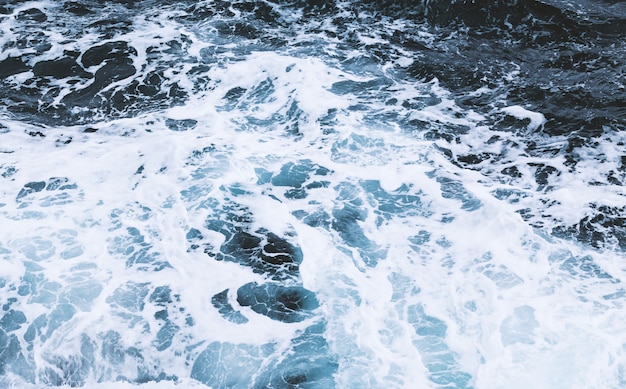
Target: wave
321	194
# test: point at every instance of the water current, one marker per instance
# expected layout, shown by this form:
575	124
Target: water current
313	194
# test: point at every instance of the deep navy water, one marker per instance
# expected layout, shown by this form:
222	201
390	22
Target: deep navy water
313	194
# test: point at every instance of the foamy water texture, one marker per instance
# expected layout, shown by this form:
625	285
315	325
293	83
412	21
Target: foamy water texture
285	195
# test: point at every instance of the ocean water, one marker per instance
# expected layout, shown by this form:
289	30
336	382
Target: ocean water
313	194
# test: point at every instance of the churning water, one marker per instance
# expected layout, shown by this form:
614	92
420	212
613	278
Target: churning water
313	194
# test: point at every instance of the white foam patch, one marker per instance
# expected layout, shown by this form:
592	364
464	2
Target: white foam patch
536	118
